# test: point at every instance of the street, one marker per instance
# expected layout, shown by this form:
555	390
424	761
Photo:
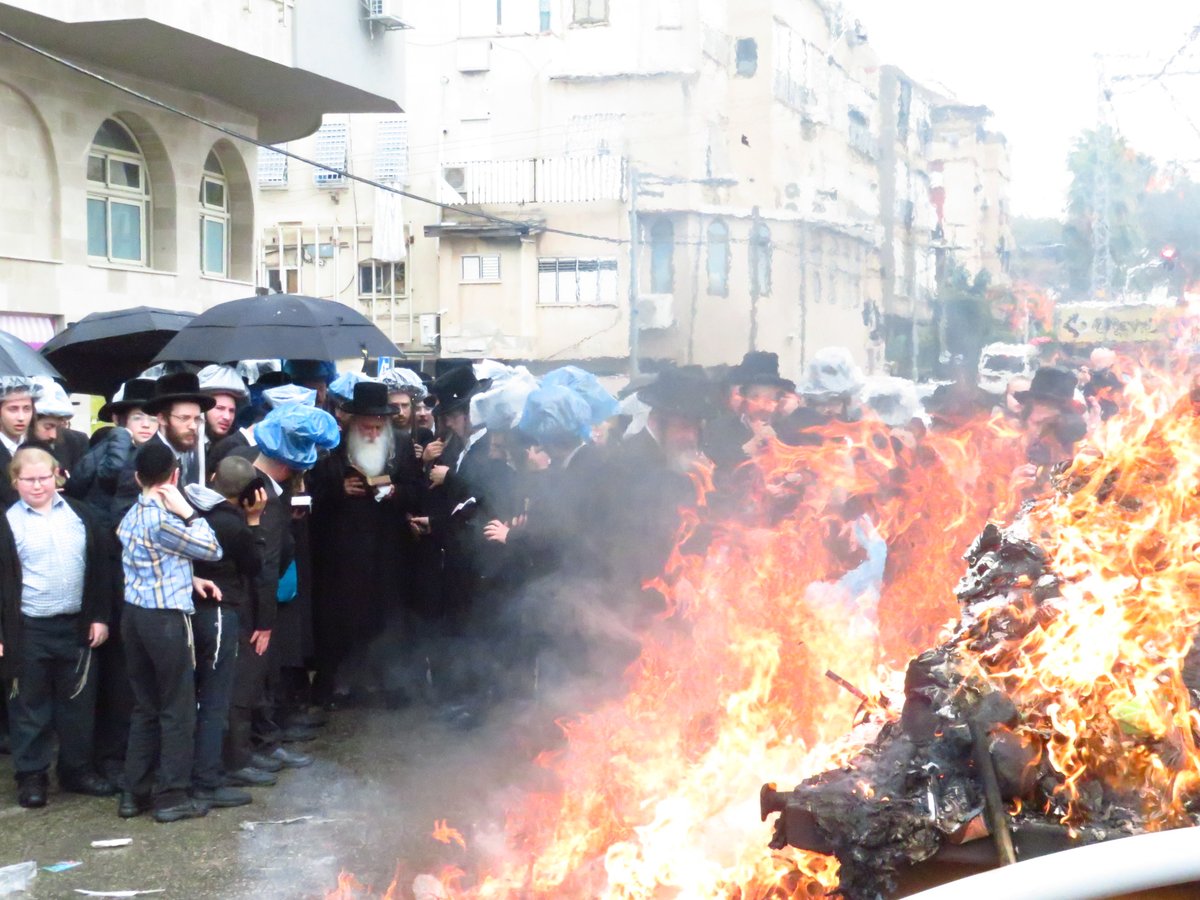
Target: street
380	780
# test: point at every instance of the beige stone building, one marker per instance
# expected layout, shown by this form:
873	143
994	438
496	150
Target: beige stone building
110	201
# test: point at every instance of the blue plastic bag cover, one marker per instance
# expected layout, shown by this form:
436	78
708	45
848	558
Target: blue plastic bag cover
292	434
554	413
283	394
602	404
288	584
499	408
303	370
342	387
406	380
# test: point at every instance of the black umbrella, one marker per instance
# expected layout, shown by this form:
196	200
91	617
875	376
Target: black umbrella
277	326
18	358
103	349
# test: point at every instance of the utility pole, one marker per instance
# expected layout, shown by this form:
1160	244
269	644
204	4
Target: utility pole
634	270
756	266
1101	179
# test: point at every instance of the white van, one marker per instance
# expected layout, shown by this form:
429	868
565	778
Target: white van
1000	363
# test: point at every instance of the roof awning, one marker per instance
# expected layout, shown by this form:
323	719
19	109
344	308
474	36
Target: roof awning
484	229
30	329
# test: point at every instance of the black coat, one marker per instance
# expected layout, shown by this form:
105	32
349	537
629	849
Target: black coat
104	478
236	572
98	598
8	493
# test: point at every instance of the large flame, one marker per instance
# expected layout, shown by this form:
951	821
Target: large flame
657	792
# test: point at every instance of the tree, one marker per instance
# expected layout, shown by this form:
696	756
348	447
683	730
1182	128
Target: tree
1128	173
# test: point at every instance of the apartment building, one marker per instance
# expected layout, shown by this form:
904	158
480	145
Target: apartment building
109	201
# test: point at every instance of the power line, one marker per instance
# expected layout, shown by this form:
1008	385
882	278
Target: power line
524	227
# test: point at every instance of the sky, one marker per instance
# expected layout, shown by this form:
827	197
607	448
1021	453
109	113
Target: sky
1033	63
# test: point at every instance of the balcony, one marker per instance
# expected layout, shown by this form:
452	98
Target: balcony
559	179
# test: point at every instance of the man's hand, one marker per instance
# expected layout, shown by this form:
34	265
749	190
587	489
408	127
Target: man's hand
97	635
260	640
419	526
437	475
418	450
173	501
1023	478
497	531
206	588
432	451
353	486
255	509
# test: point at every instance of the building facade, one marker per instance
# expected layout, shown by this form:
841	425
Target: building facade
109	201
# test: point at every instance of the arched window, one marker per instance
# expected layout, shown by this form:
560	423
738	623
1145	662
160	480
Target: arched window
214	219
118	199
718	258
662	257
760	260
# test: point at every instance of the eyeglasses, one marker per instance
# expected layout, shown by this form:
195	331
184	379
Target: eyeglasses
183	420
35	479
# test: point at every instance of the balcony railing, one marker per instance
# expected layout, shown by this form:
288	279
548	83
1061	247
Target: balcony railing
558	179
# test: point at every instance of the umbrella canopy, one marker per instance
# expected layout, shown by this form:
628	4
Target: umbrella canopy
279	326
18	358
104	349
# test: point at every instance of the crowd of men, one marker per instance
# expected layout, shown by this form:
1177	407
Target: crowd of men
186	595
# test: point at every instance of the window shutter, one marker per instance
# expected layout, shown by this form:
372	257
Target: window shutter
391	151
272	168
330	150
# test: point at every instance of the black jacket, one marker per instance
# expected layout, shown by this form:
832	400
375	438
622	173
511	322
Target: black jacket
236	573
278	546
97	586
104	478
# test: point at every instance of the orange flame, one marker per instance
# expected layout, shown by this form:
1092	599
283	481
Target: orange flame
444	833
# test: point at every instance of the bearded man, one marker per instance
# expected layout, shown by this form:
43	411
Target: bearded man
361	494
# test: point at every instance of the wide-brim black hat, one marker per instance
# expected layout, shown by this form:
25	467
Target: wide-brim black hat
178	387
759	368
1054	387
454	389
370	399
684	391
134	393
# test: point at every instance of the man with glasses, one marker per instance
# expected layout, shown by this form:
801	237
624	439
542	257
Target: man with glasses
180	406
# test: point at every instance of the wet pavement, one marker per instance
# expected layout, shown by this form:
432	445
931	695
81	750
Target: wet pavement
380	780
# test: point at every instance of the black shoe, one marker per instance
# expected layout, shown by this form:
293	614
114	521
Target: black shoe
132	805
290	759
295	734
31	790
265	762
221	797
188	809
250	777
89	783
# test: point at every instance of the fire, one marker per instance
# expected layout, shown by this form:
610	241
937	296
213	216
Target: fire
845	558
444	833
1100	684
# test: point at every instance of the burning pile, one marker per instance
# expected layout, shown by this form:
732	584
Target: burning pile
1063	694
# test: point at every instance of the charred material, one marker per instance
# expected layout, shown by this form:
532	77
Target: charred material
948	769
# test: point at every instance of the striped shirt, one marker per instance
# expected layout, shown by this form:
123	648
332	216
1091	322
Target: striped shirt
51	546
157	550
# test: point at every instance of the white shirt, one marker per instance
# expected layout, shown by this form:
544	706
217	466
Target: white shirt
10	444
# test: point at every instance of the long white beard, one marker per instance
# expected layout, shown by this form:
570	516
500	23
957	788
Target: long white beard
369	457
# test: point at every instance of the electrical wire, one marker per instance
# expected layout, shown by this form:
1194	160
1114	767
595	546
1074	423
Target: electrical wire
523	227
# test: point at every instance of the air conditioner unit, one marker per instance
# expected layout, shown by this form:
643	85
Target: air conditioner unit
655	311
430	329
385	14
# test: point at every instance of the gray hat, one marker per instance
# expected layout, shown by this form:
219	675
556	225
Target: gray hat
223	380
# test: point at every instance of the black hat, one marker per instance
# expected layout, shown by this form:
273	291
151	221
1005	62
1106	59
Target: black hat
370	399
178	387
273	379
454	389
1055	387
133	393
759	368
684	391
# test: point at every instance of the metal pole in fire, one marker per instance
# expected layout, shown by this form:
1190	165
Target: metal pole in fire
634	268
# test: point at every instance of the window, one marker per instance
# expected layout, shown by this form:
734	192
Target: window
860	135
718	259
330	150
118	198
662	257
481	268
577	282
544	15
380	279
391	151
272	168
746	55
760	260
214	219
590	12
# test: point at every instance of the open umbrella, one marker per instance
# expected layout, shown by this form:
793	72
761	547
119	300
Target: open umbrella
277	326
103	349
18	358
